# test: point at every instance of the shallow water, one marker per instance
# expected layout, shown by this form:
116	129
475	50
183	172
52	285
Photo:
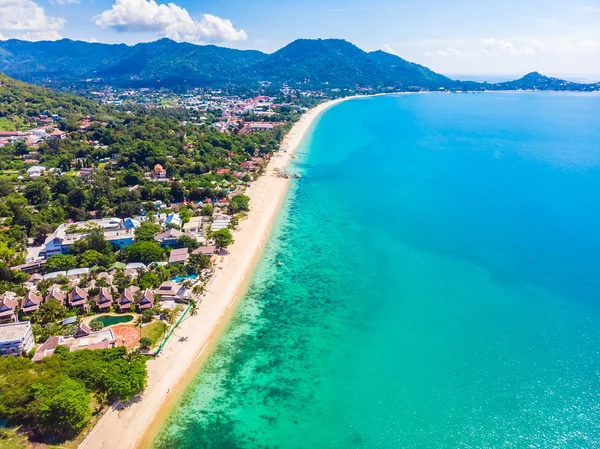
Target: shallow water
440	286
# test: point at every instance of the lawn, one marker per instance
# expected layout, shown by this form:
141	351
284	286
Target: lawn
154	331
6	124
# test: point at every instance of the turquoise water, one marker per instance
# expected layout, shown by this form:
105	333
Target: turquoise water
440	286
184	278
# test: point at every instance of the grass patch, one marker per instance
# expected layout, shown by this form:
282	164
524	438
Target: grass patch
154	331
7	125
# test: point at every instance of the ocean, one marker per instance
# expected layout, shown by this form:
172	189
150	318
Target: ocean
440	286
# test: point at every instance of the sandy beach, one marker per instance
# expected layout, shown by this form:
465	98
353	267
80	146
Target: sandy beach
136	423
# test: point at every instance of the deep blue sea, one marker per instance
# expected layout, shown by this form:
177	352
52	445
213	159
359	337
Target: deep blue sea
440	286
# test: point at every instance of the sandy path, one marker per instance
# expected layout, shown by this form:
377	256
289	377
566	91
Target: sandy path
135	424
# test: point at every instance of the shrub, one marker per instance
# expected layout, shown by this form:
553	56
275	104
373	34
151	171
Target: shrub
145	343
96	325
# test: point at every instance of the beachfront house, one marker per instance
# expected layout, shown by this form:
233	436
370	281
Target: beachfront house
179	255
84	338
16	338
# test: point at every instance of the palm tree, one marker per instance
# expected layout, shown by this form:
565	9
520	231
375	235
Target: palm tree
193	307
139	322
133	356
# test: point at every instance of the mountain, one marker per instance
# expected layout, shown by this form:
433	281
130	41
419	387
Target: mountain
22	103
320	63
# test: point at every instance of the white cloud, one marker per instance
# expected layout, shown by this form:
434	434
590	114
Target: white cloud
25	19
168	20
386	48
450	52
500	46
65	2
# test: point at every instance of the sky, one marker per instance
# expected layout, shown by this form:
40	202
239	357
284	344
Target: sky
502	37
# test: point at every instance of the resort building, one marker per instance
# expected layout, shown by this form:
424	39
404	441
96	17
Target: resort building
8	306
179	255
147	301
168	238
206	250
127	298
60	241
16	338
104	299
83	338
31	302
78	297
56	293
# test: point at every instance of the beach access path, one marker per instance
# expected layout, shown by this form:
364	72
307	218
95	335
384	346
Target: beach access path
136	423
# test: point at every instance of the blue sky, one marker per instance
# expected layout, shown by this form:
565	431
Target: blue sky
449	36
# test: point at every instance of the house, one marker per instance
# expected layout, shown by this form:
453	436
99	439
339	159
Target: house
36	171
8	306
31	302
206	250
16	338
168	238
147	301
222	171
220	222
127	298
179	255
173	219
78	297
159	172
167	290
131	223
104	299
56	293
86	171
56	135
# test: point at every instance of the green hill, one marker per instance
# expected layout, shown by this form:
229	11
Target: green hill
305	63
21	104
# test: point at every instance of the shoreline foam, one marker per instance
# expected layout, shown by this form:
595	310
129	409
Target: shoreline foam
136	424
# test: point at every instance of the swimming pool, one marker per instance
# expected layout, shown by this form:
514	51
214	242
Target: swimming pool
184	278
109	320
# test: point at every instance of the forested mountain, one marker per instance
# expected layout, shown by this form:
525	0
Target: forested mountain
327	63
22	103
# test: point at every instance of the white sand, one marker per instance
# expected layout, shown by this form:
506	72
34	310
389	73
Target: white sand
136	424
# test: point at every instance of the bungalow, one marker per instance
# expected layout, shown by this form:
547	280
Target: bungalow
168	238
248	165
56	293
56	135
120	238
127	298
220	222
16	338
104	299
78	297
147	301
194	226
8	306
222	171
179	255
131	223
31	302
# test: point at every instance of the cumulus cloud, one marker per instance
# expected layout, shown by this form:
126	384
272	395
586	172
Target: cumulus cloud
501	46
167	20
25	19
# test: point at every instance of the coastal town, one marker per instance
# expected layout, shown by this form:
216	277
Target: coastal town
121	224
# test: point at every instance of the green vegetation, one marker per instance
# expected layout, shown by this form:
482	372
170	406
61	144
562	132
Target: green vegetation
53	398
154	332
223	238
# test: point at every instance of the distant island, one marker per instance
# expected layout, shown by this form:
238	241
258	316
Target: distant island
322	64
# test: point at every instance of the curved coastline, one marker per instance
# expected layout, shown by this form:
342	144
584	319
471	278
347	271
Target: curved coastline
136	424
